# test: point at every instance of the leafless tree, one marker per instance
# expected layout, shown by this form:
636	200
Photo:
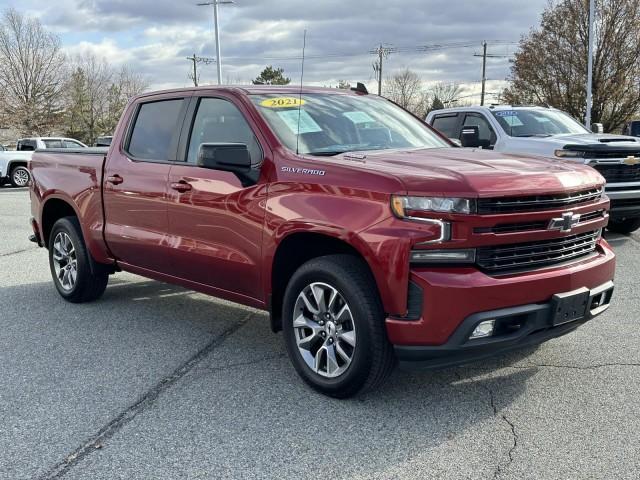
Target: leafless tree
405	88
95	96
31	75
447	93
551	66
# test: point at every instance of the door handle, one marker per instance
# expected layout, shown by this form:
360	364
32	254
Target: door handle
115	179
181	186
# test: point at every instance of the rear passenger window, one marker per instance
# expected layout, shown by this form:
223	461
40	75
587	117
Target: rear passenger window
155	129
447	125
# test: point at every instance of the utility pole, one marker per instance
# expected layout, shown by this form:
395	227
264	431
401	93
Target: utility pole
215	4
382	52
484	56
195	60
587	118
484	71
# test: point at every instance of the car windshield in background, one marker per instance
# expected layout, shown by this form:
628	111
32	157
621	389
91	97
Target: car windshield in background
537	123
330	124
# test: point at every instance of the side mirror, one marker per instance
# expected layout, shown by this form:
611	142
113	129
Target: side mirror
597	128
456	142
229	157
470	136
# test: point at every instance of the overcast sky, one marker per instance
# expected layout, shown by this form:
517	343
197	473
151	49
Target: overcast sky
155	36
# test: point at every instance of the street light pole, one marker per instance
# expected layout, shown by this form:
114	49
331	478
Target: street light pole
215	4
587	119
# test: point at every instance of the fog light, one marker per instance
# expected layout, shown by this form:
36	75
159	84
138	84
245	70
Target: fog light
484	329
443	256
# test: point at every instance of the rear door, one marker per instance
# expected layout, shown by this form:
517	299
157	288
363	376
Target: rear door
135	188
216	218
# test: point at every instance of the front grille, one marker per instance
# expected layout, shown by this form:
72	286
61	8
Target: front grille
530	255
528	226
537	202
626	202
619	172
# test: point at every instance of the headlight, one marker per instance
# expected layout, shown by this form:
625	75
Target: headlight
568	154
411	207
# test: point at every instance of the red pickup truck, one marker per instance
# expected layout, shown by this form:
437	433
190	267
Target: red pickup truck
366	235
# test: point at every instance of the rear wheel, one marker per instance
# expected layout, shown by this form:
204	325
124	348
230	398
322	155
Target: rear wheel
20	176
627	225
334	328
69	264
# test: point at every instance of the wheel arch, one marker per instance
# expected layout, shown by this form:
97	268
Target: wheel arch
298	247
53	209
57	207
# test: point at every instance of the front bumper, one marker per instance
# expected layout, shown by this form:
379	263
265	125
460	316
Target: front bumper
455	298
535	326
625	200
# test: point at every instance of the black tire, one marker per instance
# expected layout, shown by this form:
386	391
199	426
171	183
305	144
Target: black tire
373	358
625	226
18	175
87	286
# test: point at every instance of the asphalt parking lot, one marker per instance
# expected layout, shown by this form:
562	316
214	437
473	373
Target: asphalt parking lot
155	382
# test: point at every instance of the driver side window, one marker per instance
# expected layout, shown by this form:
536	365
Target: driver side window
220	121
487	135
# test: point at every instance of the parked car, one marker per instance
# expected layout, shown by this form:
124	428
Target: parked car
104	141
364	233
14	164
13	167
553	134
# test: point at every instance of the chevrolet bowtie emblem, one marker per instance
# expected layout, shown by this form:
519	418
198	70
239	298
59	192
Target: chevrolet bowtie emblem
631	160
565	223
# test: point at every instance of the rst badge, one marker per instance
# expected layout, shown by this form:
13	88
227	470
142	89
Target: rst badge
564	223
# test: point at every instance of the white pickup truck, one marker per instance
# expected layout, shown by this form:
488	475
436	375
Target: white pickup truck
553	134
14	164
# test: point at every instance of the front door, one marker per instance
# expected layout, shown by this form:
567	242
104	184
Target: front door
215	218
135	185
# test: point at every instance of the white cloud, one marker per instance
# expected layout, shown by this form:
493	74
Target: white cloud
155	36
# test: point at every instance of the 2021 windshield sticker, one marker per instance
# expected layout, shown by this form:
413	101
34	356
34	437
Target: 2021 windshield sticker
303	171
282	102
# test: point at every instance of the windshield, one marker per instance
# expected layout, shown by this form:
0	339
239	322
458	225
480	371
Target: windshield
329	124
537	123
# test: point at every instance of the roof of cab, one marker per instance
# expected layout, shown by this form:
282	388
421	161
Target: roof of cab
254	89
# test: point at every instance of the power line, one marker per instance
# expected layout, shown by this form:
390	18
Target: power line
195	60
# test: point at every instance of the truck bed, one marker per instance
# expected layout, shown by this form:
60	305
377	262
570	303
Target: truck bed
75	176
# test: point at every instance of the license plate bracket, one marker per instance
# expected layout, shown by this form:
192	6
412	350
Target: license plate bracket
569	306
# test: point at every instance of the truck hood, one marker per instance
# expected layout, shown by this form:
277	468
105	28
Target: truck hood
588	139
479	173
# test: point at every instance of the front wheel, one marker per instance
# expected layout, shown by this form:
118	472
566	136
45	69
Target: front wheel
334	329
625	226
69	263
20	177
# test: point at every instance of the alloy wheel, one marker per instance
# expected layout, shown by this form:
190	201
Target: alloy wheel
20	177
324	330
65	262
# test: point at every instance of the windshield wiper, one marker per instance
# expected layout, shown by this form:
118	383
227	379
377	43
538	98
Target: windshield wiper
327	153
